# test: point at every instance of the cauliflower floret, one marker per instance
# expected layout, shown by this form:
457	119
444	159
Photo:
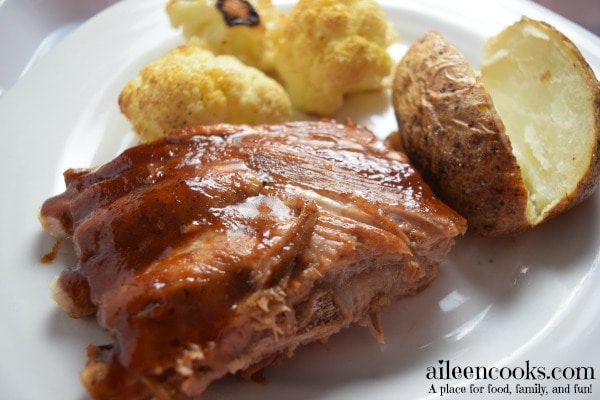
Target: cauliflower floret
248	30
191	86
330	48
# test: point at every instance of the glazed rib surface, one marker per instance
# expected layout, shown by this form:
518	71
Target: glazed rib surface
221	249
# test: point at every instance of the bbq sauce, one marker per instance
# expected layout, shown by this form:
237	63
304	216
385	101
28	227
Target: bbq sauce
174	234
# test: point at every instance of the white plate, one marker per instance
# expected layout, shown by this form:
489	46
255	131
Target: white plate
496	303
30	28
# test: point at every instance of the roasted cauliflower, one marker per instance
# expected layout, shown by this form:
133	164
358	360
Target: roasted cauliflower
190	85
248	30
330	48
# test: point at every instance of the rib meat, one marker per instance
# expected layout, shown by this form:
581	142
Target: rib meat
221	249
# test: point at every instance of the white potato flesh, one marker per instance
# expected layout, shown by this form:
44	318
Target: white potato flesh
550	118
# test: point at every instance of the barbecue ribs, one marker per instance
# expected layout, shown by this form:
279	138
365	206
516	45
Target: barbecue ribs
221	249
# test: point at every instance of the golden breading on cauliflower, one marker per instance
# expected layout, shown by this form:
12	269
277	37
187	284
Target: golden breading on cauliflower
191	86
248	30
330	48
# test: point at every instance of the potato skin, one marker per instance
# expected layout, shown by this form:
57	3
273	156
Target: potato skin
451	132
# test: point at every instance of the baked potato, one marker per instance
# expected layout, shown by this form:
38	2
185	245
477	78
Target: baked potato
513	147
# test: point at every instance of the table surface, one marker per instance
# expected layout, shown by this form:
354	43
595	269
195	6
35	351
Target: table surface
584	12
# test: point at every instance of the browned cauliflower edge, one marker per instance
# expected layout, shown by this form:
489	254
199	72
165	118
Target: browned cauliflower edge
252	40
191	86
331	48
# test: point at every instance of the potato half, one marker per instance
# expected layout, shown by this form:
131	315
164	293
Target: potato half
513	148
